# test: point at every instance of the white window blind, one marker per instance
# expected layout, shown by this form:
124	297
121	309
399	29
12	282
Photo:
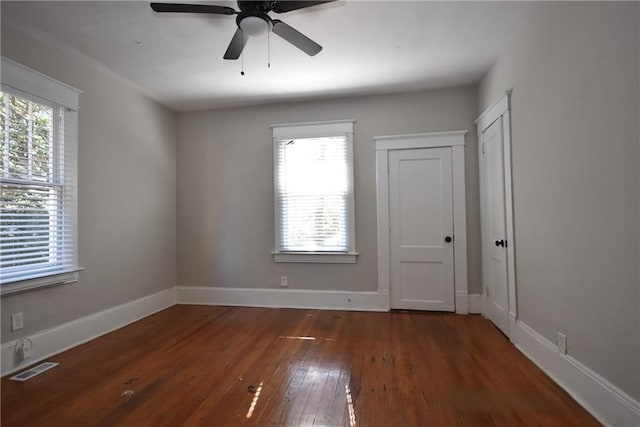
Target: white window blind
38	189
314	188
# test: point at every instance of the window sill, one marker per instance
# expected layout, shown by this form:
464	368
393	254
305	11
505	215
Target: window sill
40	282
316	257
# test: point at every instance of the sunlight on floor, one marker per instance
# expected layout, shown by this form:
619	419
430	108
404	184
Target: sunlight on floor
298	338
352	413
255	400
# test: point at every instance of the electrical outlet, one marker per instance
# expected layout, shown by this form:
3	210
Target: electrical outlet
17	321
562	343
23	349
26	351
283	281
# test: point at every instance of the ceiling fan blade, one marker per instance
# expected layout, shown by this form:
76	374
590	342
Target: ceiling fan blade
289	5
236	45
296	38
192	8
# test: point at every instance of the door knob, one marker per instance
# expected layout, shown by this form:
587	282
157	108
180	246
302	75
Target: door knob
501	243
448	239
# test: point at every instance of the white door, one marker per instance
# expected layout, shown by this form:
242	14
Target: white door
495	243
421	222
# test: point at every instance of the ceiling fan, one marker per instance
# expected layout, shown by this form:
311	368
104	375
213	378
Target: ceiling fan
253	20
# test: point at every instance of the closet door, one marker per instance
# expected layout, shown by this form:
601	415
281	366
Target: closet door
421	229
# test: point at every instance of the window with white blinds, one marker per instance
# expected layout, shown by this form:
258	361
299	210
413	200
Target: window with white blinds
314	204
38	182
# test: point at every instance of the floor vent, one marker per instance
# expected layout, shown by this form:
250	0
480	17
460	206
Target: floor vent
32	372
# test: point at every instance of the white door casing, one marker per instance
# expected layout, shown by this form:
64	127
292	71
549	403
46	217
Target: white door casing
421	214
454	141
495	242
494	126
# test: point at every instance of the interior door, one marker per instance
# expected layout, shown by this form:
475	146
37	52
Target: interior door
421	235
495	243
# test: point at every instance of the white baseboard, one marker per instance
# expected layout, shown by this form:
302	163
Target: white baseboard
475	303
603	400
284	298
60	338
462	302
610	405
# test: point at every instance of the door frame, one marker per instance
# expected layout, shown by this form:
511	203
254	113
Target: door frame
501	107
454	140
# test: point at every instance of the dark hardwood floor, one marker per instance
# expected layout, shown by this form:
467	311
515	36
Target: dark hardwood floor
223	366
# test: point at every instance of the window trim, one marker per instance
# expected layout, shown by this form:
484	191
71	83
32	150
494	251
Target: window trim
17	78
316	130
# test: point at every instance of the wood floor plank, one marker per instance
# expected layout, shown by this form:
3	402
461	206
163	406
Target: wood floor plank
193	365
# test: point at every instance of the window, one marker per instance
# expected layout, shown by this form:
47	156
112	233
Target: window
38	122
314	203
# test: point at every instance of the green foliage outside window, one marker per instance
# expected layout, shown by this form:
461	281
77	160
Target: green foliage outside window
30	195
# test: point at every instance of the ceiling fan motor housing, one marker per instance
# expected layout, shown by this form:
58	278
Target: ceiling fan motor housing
254	23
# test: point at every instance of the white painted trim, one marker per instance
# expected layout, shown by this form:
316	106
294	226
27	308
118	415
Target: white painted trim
316	257
475	303
40	282
282	133
64	100
27	80
52	341
495	110
499	108
513	324
382	202
461	302
605	401
420	140
508	211
455	140
284	298
322	122
312	129
459	223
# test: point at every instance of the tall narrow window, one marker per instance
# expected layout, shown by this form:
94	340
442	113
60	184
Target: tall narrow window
37	181
314	192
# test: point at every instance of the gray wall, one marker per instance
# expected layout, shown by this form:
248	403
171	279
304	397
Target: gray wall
225	187
126	181
574	73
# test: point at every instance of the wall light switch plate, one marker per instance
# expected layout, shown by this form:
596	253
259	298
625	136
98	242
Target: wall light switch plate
17	321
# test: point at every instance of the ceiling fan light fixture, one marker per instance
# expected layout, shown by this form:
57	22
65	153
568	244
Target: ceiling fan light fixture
253	25
253	20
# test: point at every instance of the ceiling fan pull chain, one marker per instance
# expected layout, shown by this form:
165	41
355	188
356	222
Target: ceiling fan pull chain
242	64
269	49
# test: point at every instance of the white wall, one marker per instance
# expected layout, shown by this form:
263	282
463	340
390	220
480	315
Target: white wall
225	187
575	116
126	180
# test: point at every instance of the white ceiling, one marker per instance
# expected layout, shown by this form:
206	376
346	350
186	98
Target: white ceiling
369	47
